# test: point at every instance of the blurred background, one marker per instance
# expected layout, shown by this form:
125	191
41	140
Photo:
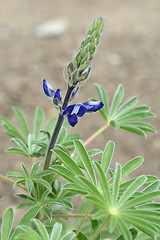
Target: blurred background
37	40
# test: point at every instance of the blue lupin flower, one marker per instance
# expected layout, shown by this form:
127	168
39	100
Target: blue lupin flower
52	94
78	110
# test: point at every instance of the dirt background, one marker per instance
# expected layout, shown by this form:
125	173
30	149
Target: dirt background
129	54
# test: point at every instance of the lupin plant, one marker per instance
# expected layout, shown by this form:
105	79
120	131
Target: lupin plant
113	207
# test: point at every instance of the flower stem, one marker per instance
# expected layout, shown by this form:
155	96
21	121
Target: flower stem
100	228
70	215
81	224
57	129
11	181
96	134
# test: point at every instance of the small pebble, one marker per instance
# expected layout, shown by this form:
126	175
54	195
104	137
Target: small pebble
51	29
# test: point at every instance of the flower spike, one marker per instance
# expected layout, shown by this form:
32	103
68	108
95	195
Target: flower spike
78	69
78	110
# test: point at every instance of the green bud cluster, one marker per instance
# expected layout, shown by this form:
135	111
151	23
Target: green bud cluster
79	68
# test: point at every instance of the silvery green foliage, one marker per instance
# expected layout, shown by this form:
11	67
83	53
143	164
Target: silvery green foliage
79	68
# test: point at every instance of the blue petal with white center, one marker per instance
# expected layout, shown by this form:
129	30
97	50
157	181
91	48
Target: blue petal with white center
93	106
56	96
48	89
78	110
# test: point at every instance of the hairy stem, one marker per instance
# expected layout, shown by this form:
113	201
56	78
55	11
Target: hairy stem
57	130
96	134
84	219
11	181
100	228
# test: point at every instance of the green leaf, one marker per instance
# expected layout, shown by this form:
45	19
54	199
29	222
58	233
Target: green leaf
133	129
145	126
112	223
38	120
31	234
47	212
62	135
82	153
95	226
116	183
31	213
26	204
29	185
56	231
151	206
152	216
31	139
21	120
51	124
94	152
100	213
68	236
152	187
142	199
35	168
42	182
68	162
143	225
104	184
86	184
81	236
73	187
43	173
116	100
131	190
134	117
135	110
18	151
124	229
25	197
20	144
73	136
150	179
107	155
103	97
11	129
41	229
67	174
24	170
15	174
7	223
126	106
131	165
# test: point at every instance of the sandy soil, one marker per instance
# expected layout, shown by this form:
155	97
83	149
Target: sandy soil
129	54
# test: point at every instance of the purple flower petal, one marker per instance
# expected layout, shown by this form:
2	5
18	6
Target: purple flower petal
82	111
72	119
48	89
58	94
68	110
93	106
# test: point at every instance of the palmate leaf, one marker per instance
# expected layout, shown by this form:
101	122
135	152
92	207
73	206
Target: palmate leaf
125	116
35	144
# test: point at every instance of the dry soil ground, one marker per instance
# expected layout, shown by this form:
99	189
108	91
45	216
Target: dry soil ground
129	54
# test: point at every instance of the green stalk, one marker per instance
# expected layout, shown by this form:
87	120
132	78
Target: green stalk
57	129
84	219
100	228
